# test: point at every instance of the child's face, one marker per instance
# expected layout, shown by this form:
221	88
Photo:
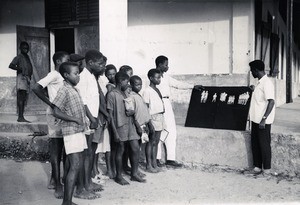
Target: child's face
124	84
73	76
98	66
128	90
164	66
110	74
156	79
137	85
129	73
24	49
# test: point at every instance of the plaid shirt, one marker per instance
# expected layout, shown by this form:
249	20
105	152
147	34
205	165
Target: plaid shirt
69	101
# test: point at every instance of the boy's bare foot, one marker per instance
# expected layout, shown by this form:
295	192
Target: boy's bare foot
84	194
59	193
23	120
121	181
137	179
95	187
141	174
150	169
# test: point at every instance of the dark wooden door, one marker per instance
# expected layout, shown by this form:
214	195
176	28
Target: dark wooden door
39	43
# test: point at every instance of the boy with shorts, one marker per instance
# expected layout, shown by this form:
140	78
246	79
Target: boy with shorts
123	129
142	117
53	82
22	64
68	107
153	99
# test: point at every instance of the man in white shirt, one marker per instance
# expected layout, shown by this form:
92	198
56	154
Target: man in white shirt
53	81
262	113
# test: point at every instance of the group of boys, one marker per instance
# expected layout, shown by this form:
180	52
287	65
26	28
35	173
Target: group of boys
86	117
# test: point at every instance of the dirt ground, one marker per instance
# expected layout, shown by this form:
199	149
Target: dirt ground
25	183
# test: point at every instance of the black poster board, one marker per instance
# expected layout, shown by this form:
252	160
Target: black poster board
219	108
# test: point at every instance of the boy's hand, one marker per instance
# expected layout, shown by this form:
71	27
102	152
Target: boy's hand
117	138
139	131
79	121
94	123
262	124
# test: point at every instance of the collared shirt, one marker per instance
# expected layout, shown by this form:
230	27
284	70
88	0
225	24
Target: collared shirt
22	61
152	98
69	101
259	101
89	91
115	102
141	110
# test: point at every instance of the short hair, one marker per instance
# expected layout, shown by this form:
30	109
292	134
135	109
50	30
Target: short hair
257	64
58	56
120	76
125	68
23	43
134	78
76	57
65	67
93	55
160	59
152	72
110	67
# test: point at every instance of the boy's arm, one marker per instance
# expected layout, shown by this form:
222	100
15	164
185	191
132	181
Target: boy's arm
113	126
38	90
59	114
14	64
138	128
105	113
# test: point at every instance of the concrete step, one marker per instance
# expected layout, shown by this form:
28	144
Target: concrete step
8	123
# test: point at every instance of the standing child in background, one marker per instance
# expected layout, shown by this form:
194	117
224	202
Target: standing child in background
153	99
123	129
53	82
68	107
142	116
161	63
110	73
22	64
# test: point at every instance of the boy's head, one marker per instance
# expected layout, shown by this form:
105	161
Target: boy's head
136	83
24	47
127	89
110	73
257	68
126	69
154	76
121	80
60	57
70	72
95	61
77	59
161	63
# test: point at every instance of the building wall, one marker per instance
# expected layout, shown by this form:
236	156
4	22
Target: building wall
199	37
12	13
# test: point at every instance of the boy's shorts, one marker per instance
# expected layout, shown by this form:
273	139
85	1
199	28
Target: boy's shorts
128	132
104	144
98	133
75	143
54	130
23	82
158	121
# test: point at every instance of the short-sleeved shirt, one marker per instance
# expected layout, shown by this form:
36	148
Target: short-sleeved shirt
89	91
115	102
69	101
53	81
22	61
152	98
259	101
141	110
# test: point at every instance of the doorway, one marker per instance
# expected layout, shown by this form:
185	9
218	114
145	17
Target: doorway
64	40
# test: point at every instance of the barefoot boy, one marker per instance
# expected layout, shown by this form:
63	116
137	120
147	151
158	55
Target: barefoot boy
68	107
53	82
142	116
123	128
153	99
